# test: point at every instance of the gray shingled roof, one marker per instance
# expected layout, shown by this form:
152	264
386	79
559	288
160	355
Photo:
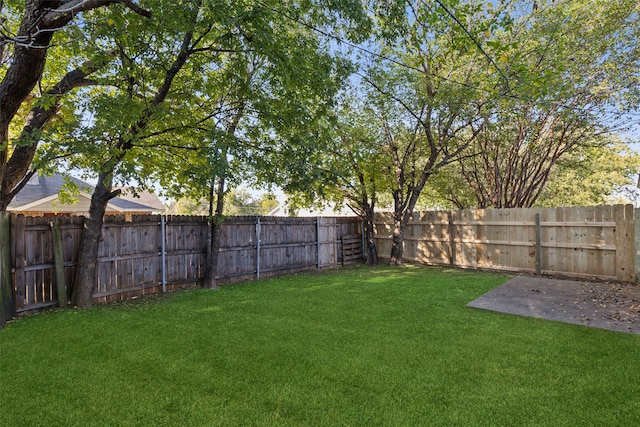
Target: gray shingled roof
145	199
50	186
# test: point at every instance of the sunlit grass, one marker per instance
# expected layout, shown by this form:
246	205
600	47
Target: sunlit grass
358	347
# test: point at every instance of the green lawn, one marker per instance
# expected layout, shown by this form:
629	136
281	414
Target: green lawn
352	347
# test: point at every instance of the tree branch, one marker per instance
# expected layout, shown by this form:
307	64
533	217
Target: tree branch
61	15
476	42
27	142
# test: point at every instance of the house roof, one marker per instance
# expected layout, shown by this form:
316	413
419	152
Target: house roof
144	199
42	189
325	209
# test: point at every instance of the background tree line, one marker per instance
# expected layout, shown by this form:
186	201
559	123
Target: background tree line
238	202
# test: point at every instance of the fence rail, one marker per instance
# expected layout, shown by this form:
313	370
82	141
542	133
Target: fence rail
598	242
149	254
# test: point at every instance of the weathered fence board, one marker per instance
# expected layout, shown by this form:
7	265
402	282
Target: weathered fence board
130	258
599	242
327	242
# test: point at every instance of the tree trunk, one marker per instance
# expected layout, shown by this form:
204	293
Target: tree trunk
399	208
22	75
24	72
397	247
372	250
213	255
87	273
217	219
215	222
369	236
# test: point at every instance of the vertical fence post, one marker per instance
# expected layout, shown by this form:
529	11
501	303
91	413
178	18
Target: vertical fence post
7	301
637	244
364	245
452	239
625	246
538	245
318	241
163	256
58	258
19	259
258	234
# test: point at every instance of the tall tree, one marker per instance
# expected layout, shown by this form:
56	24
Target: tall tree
427	89
351	168
589	175
580	75
357	163
27	32
128	116
190	77
433	96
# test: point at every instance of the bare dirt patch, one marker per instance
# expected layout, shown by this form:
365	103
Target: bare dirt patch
614	306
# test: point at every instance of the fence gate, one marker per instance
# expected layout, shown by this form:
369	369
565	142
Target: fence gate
327	242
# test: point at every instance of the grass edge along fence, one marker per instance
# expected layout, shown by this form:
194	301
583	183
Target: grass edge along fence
153	253
600	242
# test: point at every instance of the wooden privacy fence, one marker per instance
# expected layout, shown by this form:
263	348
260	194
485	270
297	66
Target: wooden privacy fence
593	242
151	254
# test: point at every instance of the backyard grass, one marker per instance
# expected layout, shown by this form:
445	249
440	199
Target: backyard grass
351	347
